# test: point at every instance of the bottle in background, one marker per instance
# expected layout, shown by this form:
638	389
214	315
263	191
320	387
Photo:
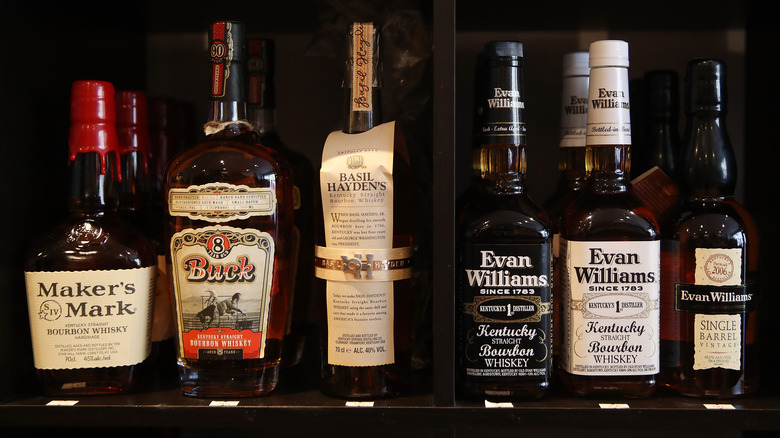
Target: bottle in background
229	229
364	253
715	305
661	145
261	113
93	274
503	307
610	249
571	166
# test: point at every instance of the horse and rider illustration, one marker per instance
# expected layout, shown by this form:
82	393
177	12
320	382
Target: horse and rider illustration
214	309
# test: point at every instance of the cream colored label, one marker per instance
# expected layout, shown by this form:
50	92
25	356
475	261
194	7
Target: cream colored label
718	338
362	66
611	307
90	319
220	202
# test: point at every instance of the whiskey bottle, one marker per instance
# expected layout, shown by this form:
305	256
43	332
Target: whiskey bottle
571	165
503	309
716	296
138	207
229	227
363	259
661	145
261	113
611	252
90	280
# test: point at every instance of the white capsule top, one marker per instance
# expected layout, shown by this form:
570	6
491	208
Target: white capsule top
608	53
575	64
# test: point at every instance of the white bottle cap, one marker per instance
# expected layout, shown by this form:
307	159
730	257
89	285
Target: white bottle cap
575	64
608	53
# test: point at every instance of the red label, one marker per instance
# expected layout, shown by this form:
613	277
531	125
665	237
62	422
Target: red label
219	341
219	58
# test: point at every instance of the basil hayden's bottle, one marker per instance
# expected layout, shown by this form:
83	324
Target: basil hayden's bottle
503	308
363	259
610	250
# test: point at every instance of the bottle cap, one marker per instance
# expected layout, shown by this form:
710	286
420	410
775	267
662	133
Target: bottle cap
608	53
576	64
705	85
662	92
132	122
503	48
93	117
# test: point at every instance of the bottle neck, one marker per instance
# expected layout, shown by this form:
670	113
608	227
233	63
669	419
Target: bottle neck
263	120
361	79
93	187
710	167
571	166
361	120
503	167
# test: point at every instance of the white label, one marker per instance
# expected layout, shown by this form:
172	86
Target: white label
718	338
609	111
574	111
611	313
90	319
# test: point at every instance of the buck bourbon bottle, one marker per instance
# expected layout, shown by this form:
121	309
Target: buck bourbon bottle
611	252
364	255
90	281
230	216
716	297
261	111
505	248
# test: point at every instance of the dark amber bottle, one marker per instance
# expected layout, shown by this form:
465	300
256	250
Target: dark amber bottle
611	252
363	259
90	280
504	274
229	228
716	297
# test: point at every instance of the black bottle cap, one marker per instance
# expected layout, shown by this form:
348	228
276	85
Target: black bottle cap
705	88
504	48
662	93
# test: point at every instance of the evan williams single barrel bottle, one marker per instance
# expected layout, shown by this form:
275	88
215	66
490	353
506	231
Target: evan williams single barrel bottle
90	281
716	298
261	112
363	260
230	216
504	246
610	250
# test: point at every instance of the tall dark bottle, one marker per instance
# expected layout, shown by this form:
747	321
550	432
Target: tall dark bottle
261	113
661	137
716	295
363	259
229	228
90	280
610	249
571	166
503	307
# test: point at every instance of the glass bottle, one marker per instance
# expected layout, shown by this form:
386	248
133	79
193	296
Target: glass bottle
229	228
90	280
363	259
503	308
611	252
716	296
261	113
661	145
571	165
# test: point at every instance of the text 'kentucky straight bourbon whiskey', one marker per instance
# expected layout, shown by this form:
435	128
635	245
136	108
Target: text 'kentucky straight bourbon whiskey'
610	250
715	300
364	256
503	311
230	215
90	281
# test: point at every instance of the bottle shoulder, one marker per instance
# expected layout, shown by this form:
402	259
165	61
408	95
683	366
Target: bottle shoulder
488	215
614	216
715	221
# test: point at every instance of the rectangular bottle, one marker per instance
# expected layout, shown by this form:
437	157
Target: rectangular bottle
363	259
504	275
90	281
229	228
610	249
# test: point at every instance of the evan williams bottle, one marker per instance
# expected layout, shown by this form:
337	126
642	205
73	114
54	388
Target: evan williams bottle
230	215
505	271
610	249
715	300
571	165
90	281
363	259
261	112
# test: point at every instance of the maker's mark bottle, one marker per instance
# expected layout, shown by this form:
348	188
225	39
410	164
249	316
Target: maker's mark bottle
90	281
363	258
230	213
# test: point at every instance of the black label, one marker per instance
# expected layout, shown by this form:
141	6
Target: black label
713	300
501	107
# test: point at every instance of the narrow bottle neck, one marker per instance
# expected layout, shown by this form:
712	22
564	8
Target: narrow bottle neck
93	187
571	166
710	167
263	120
360	120
503	167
